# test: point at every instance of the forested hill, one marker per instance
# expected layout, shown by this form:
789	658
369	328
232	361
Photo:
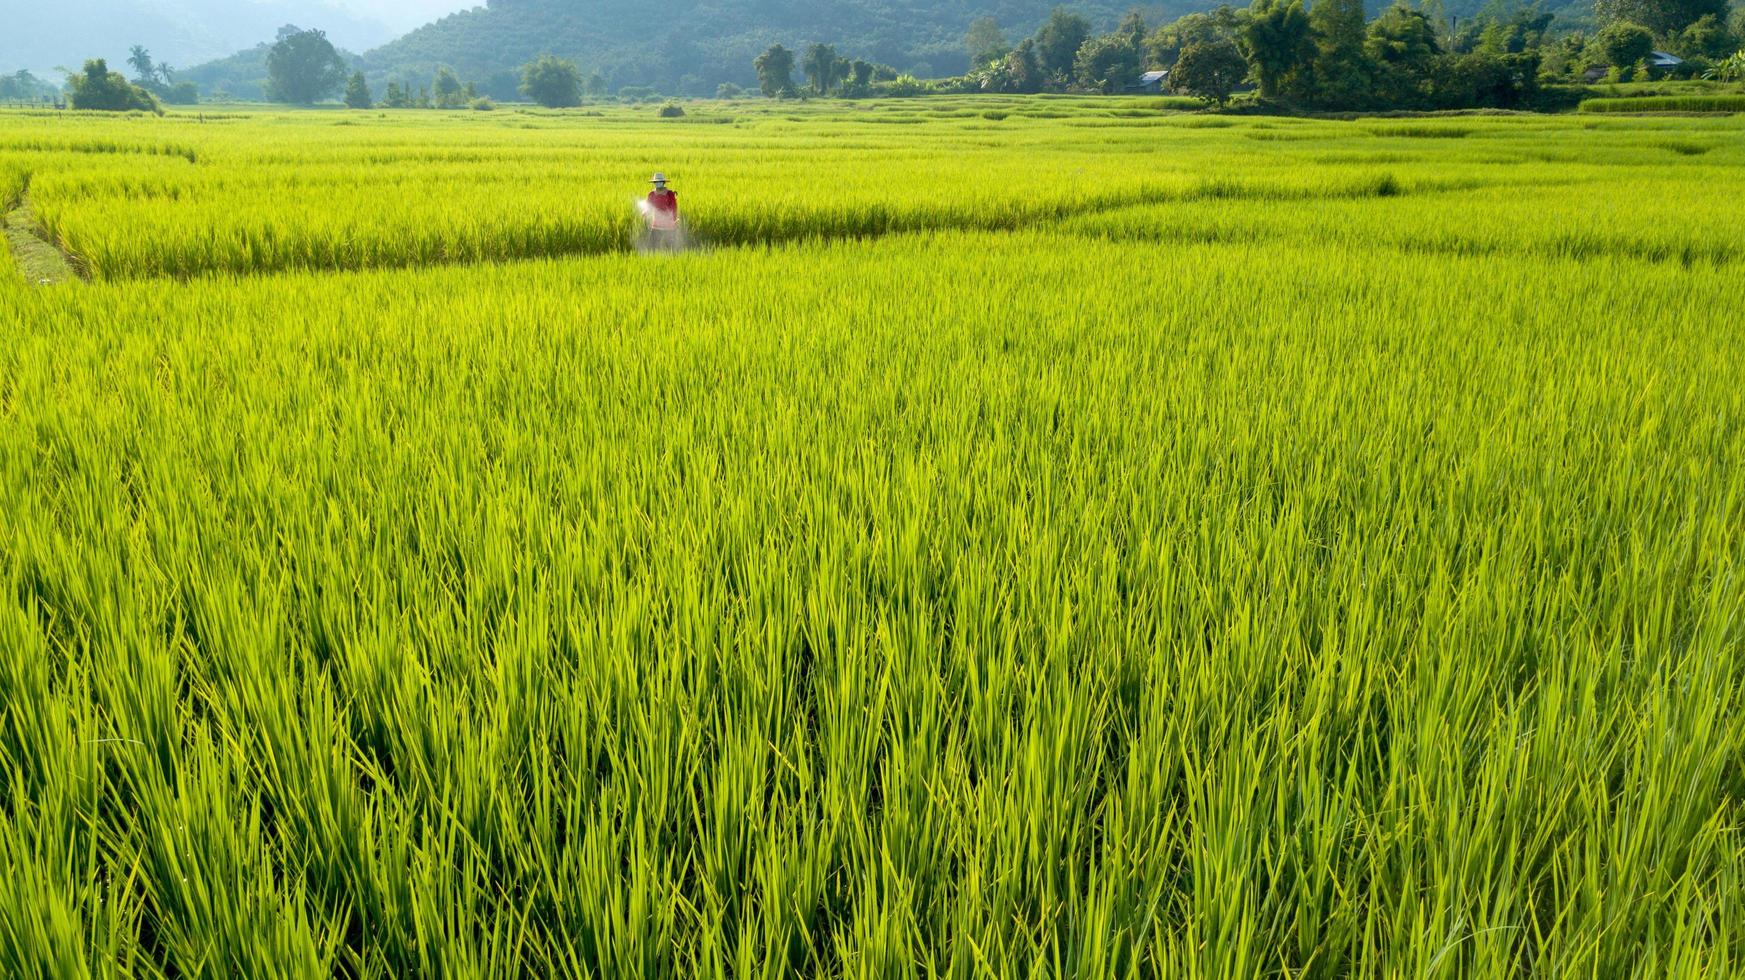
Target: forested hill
689	46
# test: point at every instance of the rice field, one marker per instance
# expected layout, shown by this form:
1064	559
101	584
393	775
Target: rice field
1087	543
1669	103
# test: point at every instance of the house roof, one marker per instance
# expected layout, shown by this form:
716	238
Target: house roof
1153	76
1664	59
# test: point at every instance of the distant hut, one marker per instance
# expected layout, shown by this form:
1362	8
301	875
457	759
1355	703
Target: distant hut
1152	82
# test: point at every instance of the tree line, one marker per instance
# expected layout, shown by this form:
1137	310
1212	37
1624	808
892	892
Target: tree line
828	73
22	86
557	83
99	88
1318	54
1325	55
303	67
158	78
1329	55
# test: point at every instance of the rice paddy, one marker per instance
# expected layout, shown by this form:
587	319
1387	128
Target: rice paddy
1082	544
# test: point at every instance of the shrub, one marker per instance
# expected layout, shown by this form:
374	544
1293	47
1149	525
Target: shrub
357	93
1625	44
482	104
1730	70
1709	37
552	82
901	87
1106	64
108	91
448	90
1692	67
1486	79
671	110
1208	71
182	93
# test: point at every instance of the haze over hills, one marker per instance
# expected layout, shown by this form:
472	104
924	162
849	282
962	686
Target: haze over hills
685	47
405	15
689	46
41	34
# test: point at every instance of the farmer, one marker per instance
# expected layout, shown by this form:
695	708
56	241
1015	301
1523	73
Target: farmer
663	207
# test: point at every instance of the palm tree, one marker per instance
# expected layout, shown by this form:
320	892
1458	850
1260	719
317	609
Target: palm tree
145	70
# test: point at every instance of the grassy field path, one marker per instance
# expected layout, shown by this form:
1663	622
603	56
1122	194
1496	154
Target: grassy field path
39	259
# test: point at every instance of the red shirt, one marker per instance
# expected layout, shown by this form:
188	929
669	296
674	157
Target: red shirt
664	200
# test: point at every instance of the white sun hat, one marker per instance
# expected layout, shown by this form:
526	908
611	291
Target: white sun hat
658	179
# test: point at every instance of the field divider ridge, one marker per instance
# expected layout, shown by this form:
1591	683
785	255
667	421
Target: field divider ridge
37	255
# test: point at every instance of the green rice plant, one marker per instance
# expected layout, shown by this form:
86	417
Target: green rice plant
1167	553
1653	220
14	177
1423	131
1173	103
1668	103
263	195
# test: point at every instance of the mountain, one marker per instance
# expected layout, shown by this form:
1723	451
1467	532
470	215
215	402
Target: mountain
689	46
41	34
